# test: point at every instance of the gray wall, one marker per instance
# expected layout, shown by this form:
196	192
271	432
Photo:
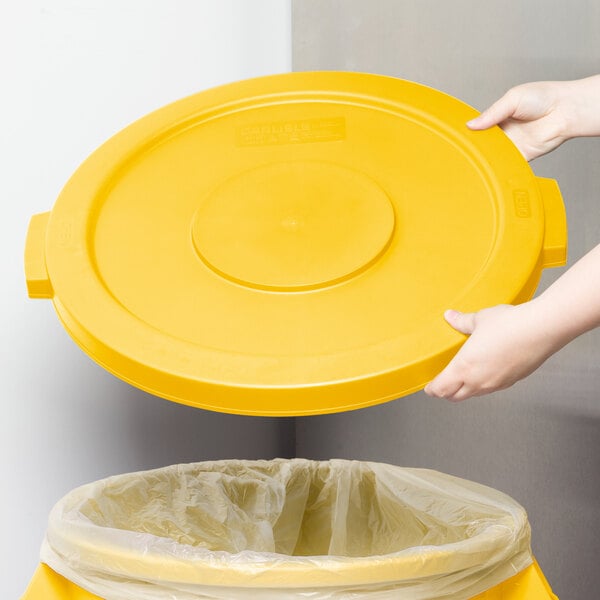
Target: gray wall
540	440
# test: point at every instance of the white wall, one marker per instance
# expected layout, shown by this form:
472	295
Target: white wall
74	73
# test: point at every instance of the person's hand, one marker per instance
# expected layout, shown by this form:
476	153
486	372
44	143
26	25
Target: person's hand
540	116
506	344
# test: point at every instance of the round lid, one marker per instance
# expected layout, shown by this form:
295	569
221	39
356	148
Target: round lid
287	245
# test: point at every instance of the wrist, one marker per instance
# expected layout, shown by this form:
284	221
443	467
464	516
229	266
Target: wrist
554	323
580	100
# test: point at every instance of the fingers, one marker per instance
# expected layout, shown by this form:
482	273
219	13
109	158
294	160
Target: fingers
462	394
498	112
446	385
449	384
522	140
463	322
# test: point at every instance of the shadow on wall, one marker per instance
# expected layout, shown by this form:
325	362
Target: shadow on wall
164	432
562	497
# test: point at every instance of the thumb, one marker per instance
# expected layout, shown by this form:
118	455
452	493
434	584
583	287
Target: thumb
501	110
463	322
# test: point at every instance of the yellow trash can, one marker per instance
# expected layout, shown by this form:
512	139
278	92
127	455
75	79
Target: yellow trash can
286	530
529	584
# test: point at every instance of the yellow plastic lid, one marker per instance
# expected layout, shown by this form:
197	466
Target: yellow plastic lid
287	245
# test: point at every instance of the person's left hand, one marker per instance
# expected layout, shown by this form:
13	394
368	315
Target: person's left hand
506	343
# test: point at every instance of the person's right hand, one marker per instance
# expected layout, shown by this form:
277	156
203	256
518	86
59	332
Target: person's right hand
540	116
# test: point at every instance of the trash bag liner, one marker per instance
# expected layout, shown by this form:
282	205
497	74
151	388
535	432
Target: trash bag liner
286	529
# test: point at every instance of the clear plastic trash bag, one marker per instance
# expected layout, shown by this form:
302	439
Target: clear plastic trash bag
284	530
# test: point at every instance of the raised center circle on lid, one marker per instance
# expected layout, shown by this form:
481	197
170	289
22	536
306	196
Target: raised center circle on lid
294	225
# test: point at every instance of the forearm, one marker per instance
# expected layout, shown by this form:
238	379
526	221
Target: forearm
582	107
571	306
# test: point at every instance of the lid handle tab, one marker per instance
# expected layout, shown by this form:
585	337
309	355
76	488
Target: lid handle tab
554	253
36	273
